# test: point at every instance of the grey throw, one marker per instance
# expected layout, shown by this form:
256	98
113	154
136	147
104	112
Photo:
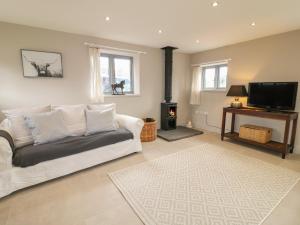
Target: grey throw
34	154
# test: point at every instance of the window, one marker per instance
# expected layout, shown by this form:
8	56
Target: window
114	69
214	77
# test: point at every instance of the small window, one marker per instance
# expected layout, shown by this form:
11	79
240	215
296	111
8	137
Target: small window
214	77
114	69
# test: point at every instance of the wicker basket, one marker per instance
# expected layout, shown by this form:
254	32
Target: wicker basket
149	131
256	133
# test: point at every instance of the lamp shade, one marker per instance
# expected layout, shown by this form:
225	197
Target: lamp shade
237	91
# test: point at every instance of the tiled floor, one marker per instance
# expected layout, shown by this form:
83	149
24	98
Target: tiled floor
90	198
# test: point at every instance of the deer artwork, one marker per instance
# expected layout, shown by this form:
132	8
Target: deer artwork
116	85
41	69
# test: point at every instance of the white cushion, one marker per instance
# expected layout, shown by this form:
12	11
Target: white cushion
100	120
20	132
103	107
47	127
74	118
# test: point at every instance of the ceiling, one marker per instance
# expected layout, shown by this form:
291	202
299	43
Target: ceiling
182	22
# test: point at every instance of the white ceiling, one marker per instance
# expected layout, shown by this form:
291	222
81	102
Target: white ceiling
138	21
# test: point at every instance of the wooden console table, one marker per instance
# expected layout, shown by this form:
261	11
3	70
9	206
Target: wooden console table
288	117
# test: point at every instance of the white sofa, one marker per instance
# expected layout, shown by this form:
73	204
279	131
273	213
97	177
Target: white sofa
14	178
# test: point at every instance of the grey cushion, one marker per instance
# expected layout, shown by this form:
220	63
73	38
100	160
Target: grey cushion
34	154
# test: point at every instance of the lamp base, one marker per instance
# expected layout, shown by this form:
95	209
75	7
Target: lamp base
236	104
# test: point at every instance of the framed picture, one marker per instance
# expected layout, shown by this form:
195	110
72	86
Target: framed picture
41	64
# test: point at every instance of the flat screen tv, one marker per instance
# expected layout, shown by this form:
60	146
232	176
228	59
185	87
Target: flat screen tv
273	95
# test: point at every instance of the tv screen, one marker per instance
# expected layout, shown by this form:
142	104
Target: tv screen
273	95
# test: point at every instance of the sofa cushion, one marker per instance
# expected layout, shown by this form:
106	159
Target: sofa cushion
74	118
100	121
20	132
31	155
47	127
103	107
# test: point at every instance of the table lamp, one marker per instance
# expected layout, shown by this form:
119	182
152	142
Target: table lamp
237	91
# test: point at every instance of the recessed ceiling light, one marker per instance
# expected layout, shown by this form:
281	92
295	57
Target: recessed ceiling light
197	41
107	18
215	4
160	31
253	24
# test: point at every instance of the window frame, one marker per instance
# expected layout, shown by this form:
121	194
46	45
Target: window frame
217	77
111	70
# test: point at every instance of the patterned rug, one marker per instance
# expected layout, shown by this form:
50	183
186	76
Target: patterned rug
204	185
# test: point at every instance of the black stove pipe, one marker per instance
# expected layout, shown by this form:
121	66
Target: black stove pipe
168	72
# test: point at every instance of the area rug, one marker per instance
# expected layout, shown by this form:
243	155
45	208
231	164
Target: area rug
179	133
204	185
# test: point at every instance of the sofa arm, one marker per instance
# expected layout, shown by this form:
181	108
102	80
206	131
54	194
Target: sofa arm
6	154
132	124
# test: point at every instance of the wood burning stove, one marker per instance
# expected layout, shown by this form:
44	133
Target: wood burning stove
168	108
168	115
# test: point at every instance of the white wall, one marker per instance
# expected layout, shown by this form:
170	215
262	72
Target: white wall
182	86
274	58
17	91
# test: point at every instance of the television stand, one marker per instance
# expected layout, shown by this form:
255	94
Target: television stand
276	111
288	117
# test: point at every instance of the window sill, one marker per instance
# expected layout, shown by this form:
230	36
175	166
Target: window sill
126	95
